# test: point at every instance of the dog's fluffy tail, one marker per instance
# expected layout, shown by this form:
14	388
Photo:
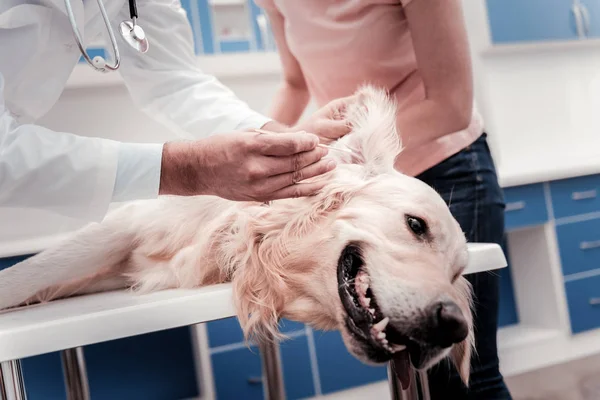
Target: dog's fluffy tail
95	247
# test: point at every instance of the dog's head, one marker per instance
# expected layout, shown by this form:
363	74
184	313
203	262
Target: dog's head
376	254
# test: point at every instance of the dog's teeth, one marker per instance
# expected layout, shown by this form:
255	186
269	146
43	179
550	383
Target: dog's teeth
380	326
372	311
367	302
384	341
381	335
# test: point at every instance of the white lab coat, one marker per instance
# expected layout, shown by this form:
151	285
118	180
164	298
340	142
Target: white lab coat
71	175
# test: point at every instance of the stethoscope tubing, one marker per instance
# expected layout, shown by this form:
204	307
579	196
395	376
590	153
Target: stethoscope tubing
104	66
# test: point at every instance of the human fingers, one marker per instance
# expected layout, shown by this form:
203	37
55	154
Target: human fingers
281	181
281	165
336	108
285	144
333	129
298	190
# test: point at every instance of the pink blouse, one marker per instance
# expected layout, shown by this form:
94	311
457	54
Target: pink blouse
342	44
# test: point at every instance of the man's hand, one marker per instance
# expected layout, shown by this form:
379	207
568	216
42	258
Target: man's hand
328	123
244	166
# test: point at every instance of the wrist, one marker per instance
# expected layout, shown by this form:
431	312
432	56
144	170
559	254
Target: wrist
180	171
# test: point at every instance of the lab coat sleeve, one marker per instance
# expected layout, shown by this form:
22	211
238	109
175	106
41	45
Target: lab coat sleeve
71	175
167	83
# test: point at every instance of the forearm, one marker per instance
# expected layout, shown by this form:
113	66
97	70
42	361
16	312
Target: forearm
289	103
442	53
430	119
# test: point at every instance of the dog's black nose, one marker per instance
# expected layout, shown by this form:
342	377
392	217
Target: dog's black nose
447	324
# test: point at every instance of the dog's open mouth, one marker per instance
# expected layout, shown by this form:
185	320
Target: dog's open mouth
365	321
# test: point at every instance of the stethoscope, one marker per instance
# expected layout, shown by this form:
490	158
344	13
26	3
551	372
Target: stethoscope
132	33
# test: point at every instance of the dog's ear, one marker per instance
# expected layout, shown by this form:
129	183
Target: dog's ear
461	358
259	260
461	353
258	281
374	139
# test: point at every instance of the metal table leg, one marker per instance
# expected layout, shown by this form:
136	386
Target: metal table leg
76	383
412	393
273	377
396	391
12	386
424	385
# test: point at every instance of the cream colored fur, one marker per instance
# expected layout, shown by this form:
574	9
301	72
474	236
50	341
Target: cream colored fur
281	258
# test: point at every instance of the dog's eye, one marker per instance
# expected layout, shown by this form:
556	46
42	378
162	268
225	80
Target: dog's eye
417	225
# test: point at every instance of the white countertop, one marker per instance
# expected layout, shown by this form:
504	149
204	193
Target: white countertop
101	317
547	169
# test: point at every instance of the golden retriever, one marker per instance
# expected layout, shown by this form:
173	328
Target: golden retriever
375	254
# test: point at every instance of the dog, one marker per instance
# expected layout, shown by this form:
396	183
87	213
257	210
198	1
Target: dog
375	254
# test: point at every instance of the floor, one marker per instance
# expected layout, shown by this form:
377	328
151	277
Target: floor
578	380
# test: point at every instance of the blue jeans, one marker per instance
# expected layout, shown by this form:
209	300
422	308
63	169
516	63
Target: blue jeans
467	181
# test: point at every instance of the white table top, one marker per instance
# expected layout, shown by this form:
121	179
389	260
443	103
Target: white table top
96	318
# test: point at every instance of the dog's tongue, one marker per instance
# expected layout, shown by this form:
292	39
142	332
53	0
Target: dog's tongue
401	366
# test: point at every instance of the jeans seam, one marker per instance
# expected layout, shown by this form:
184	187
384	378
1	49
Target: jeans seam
475	166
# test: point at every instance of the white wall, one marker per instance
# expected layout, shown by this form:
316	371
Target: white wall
109	112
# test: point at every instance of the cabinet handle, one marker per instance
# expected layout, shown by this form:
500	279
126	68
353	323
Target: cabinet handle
577	11
255	380
589	245
586	194
594	301
515	205
586	19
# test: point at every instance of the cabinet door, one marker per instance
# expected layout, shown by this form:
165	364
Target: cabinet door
513	21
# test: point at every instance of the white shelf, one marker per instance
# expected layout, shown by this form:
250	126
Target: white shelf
524	349
217	3
520	337
233	38
219	65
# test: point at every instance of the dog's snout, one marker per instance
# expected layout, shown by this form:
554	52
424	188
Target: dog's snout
447	324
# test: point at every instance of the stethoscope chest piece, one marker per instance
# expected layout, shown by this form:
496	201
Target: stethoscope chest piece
134	35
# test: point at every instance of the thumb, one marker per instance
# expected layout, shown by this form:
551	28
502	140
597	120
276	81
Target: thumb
334	128
337	107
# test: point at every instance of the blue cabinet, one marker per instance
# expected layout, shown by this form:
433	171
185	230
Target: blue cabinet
583	299
525	206
575	196
237	369
513	21
579	246
338	369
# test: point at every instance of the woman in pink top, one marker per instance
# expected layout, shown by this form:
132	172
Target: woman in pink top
418	50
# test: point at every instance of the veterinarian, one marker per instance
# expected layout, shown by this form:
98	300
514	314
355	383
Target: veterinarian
419	51
79	176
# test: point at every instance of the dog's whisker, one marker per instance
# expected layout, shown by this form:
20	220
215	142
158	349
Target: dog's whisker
450	199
